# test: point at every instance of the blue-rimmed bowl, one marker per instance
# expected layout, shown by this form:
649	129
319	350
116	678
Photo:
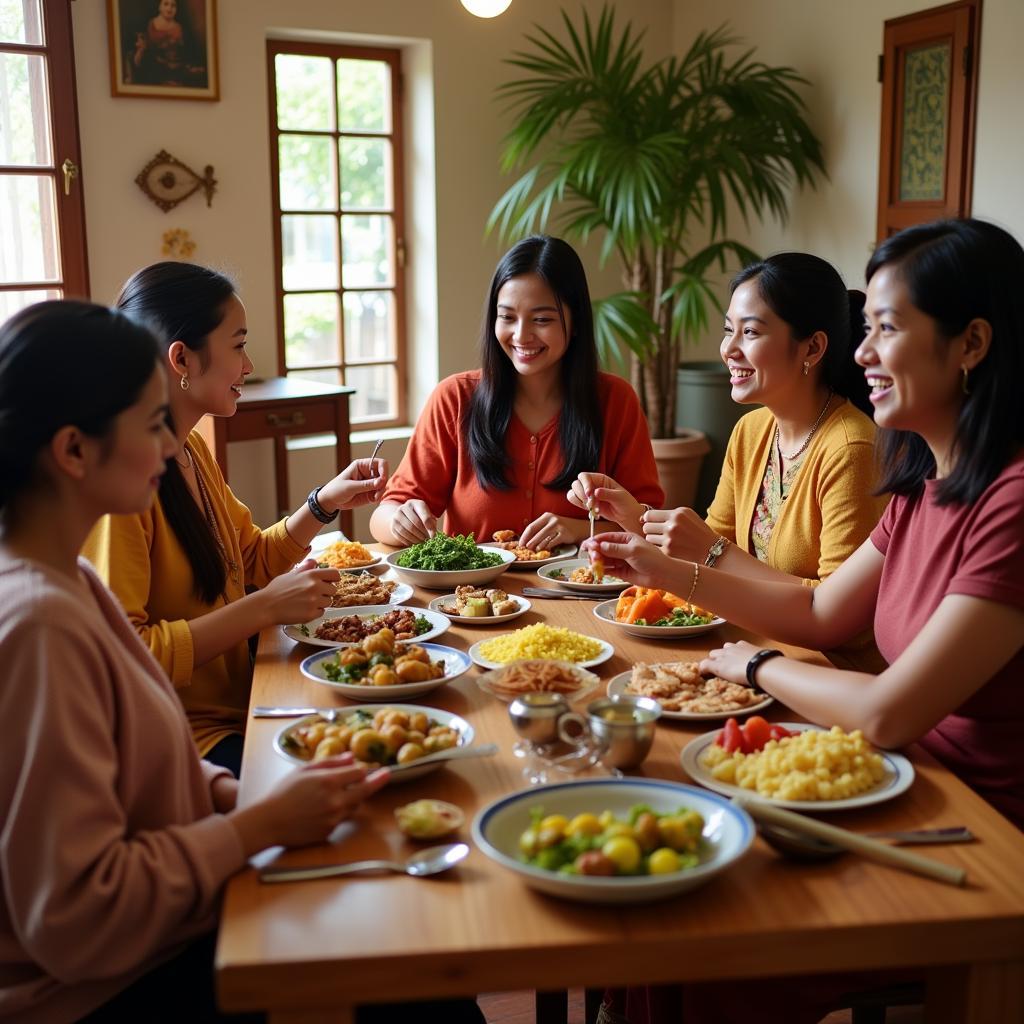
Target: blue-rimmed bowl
728	833
455	664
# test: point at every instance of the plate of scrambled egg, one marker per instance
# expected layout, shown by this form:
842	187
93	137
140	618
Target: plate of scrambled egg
816	770
551	643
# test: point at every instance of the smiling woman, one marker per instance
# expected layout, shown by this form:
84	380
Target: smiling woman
496	448
182	568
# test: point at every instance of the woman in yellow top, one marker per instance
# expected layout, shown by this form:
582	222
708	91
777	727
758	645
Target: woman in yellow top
796	496
181	568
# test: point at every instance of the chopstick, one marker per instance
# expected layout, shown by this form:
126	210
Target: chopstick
872	849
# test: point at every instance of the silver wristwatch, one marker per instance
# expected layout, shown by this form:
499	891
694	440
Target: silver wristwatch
715	552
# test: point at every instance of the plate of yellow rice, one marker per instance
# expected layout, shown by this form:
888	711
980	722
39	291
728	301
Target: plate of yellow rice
550	643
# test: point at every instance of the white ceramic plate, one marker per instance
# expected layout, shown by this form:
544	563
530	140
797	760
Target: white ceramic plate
399	595
617	685
899	774
455	664
464	729
303	633
566	566
558	553
479	620
322	541
490	680
449	580
606	652
605	611
728	832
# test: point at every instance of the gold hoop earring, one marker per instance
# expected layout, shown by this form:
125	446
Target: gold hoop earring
807	367
963	380
183	382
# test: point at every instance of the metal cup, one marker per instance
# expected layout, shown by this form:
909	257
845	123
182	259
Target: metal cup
535	716
620	729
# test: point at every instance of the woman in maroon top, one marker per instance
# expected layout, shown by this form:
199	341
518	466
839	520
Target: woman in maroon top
942	575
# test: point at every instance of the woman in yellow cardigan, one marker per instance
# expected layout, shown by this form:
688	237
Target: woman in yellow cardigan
181	569
795	498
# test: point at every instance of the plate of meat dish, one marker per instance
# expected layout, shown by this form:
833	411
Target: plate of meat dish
343	627
685	694
361	589
528	557
477	606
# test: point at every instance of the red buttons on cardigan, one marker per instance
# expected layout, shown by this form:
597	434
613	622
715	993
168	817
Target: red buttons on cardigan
533	440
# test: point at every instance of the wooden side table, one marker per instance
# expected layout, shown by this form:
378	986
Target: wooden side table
279	408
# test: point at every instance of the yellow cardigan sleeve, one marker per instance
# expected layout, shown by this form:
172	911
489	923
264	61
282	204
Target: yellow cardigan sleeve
721	515
120	549
848	511
265	553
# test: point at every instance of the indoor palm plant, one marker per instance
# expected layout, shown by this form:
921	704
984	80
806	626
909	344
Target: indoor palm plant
654	157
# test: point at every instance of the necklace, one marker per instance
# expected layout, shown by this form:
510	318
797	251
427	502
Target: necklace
807	439
211	519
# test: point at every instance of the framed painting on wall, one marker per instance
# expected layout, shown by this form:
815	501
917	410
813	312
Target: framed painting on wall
163	48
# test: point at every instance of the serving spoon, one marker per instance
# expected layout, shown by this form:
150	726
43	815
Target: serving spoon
811	848
431	861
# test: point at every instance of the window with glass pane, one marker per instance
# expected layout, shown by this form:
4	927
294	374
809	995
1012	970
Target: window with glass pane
336	161
42	240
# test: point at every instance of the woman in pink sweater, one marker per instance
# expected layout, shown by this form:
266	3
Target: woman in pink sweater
116	838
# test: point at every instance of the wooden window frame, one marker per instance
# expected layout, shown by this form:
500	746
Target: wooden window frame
961	24
341	51
58	51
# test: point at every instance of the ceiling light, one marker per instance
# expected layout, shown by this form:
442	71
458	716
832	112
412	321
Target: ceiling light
486	8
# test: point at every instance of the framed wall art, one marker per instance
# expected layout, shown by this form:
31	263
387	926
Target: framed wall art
163	48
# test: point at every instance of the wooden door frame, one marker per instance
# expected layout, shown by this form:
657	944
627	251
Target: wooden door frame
899	33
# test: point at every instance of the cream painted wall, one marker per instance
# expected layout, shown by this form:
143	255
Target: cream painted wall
835	44
464	56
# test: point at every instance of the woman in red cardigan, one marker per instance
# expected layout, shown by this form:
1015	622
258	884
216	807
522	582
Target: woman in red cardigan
497	448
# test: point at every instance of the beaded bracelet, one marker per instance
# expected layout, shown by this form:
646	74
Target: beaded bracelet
693	585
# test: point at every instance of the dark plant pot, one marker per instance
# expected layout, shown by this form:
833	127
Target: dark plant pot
703	402
679	461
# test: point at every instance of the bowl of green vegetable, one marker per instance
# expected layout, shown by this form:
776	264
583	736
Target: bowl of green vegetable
443	563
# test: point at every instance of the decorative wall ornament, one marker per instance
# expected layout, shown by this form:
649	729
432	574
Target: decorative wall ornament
178	244
167	181
165	49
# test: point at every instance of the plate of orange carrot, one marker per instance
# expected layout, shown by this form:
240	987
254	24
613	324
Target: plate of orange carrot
648	612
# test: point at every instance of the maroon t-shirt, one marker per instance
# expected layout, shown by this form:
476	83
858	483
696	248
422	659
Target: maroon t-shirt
978	550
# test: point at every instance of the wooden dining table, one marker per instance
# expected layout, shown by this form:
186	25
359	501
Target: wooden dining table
312	951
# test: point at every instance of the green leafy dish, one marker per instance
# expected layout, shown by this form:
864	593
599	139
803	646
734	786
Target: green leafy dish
442	553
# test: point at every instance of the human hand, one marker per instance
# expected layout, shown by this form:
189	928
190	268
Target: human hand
224	792
413	522
679	532
632	558
729	662
610	500
307	805
299	595
545	531
360	483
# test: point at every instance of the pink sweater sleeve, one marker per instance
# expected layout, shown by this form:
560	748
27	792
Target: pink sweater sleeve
89	894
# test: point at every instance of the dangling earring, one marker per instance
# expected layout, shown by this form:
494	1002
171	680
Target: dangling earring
963	380
183	382
807	367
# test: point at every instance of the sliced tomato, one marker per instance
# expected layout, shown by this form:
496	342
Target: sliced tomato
731	737
757	732
779	732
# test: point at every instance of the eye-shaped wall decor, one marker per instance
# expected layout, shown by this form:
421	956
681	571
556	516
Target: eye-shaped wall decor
167	181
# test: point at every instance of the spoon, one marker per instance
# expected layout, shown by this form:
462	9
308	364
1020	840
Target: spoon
451	754
431	861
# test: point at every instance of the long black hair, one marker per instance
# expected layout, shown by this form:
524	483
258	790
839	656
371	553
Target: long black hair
112	358
957	271
183	302
489	415
808	294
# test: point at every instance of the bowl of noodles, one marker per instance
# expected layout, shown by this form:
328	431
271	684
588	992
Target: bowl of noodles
538	675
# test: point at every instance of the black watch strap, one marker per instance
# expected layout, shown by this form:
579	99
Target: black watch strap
755	662
318	513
